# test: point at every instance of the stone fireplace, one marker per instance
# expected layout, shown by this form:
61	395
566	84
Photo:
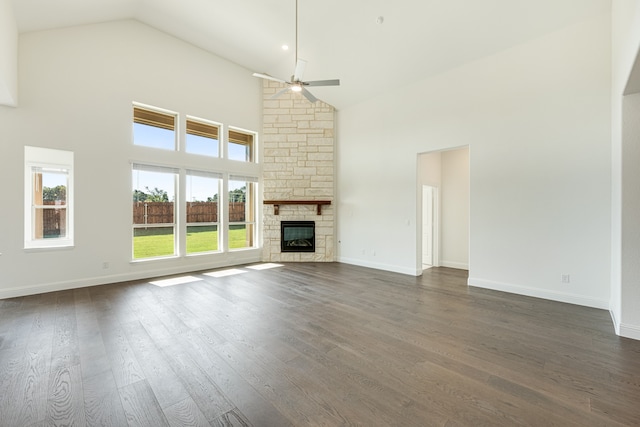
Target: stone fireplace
298	165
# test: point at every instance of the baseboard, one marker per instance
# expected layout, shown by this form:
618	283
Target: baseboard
630	331
539	293
115	278
454	264
378	266
624	329
616	324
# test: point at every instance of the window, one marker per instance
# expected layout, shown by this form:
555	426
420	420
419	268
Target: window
48	198
154	128
240	146
154	219
191	195
242	212
202	138
202	202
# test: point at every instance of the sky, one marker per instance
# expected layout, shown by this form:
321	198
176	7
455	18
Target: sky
197	188
151	136
53	179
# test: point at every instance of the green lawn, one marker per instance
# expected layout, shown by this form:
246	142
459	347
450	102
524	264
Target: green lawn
156	242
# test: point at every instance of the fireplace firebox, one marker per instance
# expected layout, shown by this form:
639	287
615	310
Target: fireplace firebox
297	236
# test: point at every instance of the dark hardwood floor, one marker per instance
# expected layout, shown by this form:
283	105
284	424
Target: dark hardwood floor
312	344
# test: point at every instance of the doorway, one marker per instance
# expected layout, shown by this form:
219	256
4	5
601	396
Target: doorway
443	194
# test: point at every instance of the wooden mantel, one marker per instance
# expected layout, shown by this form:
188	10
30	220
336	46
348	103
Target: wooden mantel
276	204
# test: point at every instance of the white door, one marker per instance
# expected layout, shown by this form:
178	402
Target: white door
427	225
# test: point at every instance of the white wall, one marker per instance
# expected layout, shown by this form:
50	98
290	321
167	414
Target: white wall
8	55
455	209
625	289
630	259
537	120
77	86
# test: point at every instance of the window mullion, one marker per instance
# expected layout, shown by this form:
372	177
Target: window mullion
224	214
181	214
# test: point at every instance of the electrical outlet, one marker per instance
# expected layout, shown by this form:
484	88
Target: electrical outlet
565	278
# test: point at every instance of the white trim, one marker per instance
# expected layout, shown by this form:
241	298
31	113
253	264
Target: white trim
616	324
243	178
378	266
20	291
539	293
60	161
150	167
204	174
436	228
629	331
153	108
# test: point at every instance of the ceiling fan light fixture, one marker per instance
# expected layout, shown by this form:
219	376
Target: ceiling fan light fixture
297	84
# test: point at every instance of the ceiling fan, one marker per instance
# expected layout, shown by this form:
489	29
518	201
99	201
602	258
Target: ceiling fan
297	84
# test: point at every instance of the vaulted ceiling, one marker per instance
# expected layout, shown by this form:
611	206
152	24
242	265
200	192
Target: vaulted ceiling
339	38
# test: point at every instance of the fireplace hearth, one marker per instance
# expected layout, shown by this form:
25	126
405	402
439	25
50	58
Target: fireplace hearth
297	236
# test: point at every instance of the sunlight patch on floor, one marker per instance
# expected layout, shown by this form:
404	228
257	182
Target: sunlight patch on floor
224	273
175	281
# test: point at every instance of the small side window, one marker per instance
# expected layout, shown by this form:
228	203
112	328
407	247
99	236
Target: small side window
48	198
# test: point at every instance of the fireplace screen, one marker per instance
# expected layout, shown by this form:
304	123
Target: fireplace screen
297	236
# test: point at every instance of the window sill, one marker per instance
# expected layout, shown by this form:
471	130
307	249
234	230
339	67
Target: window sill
48	248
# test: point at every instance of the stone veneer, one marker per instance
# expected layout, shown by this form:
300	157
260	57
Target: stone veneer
298	164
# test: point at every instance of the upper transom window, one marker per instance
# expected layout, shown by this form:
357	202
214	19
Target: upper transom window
241	146
154	128
202	138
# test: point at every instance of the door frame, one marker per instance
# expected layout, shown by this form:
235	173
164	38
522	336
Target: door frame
435	224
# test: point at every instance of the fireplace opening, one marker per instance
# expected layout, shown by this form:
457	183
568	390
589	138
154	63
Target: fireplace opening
297	236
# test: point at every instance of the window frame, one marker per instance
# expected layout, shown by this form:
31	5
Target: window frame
245	138
251	211
57	161
218	224
155	117
182	162
203	133
148	167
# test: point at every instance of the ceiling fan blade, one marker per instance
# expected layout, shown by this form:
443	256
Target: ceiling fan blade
309	96
268	77
335	82
277	94
300	66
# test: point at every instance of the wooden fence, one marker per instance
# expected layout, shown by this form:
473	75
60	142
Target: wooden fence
162	212
51	222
